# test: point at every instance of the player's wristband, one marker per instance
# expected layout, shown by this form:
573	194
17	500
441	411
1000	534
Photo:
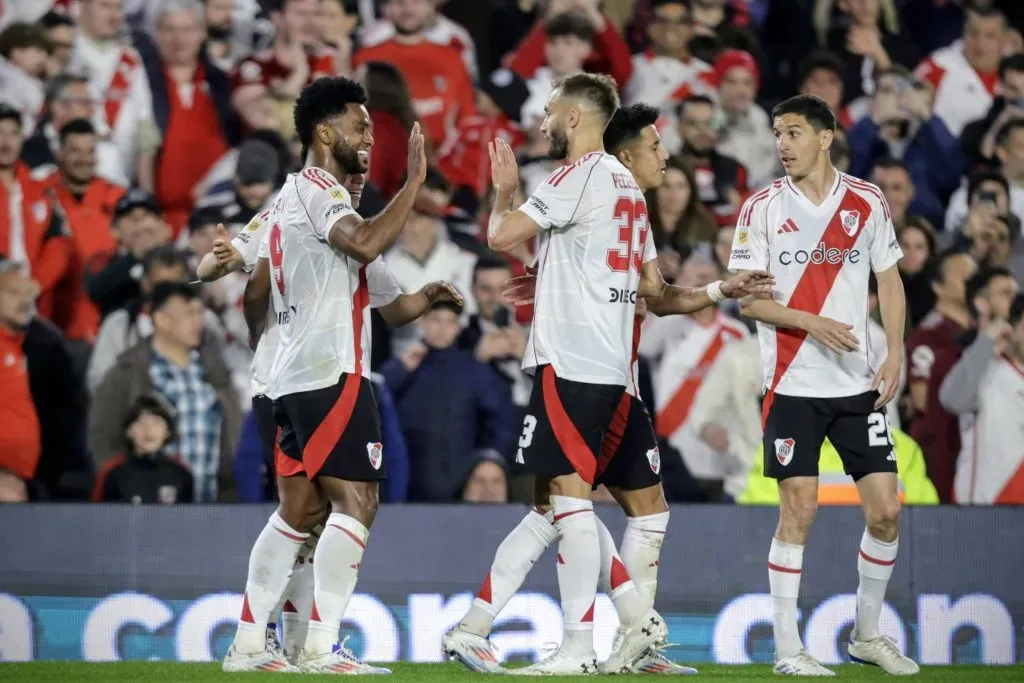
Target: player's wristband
714	291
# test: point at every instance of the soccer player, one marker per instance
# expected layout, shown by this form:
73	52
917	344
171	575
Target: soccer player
633	477
821	233
322	258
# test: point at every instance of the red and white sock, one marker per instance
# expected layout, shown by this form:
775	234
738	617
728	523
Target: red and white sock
785	562
874	564
298	603
335	571
615	581
641	552
512	562
578	567
270	567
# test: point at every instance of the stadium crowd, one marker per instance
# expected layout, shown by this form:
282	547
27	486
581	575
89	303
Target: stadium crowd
130	129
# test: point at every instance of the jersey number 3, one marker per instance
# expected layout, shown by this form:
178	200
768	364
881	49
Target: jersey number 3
629	213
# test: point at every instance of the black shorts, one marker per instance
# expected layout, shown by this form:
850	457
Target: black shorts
334	431
564	425
277	463
796	426
630	459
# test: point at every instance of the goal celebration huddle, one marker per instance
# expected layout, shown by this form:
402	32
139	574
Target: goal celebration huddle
804	253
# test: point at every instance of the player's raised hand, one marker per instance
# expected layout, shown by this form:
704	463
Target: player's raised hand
222	249
519	291
832	333
442	291
417	155
887	380
504	169
1000	332
747	283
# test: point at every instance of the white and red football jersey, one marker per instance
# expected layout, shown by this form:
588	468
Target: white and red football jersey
251	243
321	297
677	385
990	469
821	257
664	82
594	231
962	94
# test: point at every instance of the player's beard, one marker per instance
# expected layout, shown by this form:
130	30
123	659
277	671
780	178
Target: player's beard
558	145
348	158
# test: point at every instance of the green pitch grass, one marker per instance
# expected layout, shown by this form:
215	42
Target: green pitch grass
158	672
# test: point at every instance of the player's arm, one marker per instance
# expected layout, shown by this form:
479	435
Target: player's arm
232	255
652	284
408	307
256	301
892	304
884	253
677	300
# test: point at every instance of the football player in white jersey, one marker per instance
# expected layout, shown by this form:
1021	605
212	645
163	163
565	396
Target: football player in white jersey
821	233
632	477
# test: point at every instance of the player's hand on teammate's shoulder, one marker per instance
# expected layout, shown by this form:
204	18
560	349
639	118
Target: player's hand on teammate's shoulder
747	283
417	155
887	380
413	356
442	291
504	169
519	291
832	333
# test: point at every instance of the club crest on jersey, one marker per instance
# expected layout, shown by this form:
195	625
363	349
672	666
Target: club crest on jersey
850	221
375	451
784	450
654	457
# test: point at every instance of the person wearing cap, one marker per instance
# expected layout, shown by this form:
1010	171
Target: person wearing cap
746	133
138	227
33	230
257	172
88	201
145	472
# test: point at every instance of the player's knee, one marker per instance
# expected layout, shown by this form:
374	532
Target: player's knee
883	519
796	514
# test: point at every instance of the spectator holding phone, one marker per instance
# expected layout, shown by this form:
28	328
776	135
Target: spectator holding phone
978	139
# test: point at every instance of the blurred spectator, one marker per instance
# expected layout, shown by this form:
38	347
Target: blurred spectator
138	227
68	98
117	79
839	152
917	240
964	75
569	38
219	46
449	405
487	481
901	126
441	88
337	22
721	24
19	422
986	387
24	50
978	138
986	194
680	377
191	107
60	32
866	37
438	29
678	218
894	180
280	72
256	177
492	334
746	133
609	56
144	472
991	244
721	181
190	376
88	202
33	231
932	348
390	106
821	73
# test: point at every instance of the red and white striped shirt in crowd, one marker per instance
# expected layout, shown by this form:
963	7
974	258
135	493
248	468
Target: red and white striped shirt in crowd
962	94
664	82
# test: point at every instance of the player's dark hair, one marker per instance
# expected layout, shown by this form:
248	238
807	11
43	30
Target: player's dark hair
489	261
22	36
76	127
627	124
165	291
1006	131
164	256
978	283
324	99
986	176
601	90
1017	309
154	404
569	24
938	272
811	107
445	306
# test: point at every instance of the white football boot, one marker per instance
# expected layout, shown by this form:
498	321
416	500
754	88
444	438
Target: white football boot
653	662
270	659
472	651
631	643
801	664
882	652
339	660
559	664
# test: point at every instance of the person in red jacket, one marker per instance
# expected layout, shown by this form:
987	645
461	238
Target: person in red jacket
32	227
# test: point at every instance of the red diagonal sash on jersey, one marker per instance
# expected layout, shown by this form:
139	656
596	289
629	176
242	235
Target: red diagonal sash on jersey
120	84
674	414
813	288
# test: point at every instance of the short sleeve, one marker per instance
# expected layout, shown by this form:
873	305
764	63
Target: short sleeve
249	239
750	244
553	204
382	285
884	249
650	251
264	248
324	199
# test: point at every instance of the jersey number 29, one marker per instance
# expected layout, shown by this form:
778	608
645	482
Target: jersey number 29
629	212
